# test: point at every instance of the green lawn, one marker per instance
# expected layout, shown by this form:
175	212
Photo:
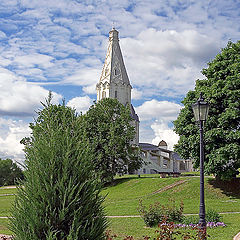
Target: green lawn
135	227
3	227
123	199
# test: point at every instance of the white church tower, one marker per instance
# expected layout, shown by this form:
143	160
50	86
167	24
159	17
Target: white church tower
114	81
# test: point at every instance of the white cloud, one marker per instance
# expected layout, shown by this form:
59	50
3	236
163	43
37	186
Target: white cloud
167	60
155	121
163	132
158	110
11	132
85	77
136	94
18	97
29	60
81	104
90	89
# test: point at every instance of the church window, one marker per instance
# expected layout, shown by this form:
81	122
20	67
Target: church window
115	94
103	94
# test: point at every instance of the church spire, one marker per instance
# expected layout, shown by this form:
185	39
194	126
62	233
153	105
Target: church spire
114	73
114	82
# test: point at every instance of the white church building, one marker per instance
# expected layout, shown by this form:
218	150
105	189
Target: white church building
114	83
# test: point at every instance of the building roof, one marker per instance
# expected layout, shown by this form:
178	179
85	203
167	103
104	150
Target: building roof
133	114
176	156
152	147
148	147
114	69
162	143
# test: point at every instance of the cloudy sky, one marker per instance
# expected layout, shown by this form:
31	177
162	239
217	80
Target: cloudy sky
60	45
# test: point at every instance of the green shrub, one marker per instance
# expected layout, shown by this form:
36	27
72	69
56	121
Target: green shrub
156	213
61	198
213	216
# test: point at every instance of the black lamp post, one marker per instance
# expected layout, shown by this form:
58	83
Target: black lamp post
200	110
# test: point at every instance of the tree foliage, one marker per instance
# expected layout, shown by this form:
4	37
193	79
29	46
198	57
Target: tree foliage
108	126
221	89
10	173
61	194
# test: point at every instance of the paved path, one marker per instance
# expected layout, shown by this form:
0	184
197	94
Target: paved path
237	237
5	237
137	216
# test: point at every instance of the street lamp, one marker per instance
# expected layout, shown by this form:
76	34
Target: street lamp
200	110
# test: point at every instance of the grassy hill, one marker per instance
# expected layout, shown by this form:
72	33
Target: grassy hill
122	199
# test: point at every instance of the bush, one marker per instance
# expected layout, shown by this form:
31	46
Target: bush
156	213
61	198
211	216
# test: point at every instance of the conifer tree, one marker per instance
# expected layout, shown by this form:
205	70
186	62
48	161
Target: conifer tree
60	198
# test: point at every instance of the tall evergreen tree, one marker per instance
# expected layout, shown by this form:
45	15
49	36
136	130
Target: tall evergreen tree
60	198
221	89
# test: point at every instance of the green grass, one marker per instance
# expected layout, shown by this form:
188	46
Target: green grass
7	191
123	199
5	205
135	227
4	227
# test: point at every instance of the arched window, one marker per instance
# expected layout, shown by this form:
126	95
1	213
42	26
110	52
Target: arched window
115	94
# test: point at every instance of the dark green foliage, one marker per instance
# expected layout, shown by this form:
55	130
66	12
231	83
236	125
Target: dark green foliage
213	216
156	213
107	126
61	198
10	173
221	89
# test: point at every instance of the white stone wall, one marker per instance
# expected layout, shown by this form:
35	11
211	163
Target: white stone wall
123	93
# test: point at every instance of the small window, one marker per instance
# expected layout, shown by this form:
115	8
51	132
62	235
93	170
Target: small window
115	94
103	94
115	71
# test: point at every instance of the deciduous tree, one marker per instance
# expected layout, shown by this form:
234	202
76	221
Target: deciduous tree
221	88
108	126
10	173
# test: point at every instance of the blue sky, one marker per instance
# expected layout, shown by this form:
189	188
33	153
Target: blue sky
60	45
